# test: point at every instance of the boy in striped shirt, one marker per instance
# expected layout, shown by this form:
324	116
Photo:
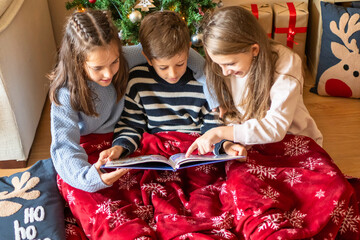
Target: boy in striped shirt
161	95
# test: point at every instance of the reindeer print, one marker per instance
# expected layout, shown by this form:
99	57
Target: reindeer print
343	79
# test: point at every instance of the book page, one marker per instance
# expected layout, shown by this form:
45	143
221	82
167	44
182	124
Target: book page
180	158
137	160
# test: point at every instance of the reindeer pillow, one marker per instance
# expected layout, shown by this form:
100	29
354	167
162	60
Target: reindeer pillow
30	204
339	64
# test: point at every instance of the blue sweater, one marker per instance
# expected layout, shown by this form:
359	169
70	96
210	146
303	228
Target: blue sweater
153	105
67	125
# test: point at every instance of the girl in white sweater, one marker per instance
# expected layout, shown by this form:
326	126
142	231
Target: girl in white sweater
258	83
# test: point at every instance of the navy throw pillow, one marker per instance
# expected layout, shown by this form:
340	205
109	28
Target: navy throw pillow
31	206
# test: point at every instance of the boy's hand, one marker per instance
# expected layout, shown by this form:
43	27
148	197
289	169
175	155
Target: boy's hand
111	177
234	149
111	153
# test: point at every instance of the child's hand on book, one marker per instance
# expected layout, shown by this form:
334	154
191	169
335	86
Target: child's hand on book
111	153
234	149
109	177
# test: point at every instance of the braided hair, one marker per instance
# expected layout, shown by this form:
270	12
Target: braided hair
83	32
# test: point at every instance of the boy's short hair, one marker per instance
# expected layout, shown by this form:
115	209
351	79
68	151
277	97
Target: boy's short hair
164	34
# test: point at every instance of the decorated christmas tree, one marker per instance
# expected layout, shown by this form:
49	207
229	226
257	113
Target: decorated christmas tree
127	14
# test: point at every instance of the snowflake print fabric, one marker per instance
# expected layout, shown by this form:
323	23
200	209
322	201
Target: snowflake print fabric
285	190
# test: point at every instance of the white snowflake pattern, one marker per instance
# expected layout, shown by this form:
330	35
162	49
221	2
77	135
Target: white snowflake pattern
261	171
194	134
92	220
228	165
239	214
331	173
155	187
70	219
144	212
70	230
211	189
102	145
271	221
311	163
152	224
297	146
186	236
171	144
292	231
338	212
143	238
233	192
59	182
270	193
223	189
224	221
172	217
169	176
191	221
205	168
200	214
293	177
331	237
319	194
257	213
70	197
117	218
295	217
146	229
350	222
127	181
107	207
223	233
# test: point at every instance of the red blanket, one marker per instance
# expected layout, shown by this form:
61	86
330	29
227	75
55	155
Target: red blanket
285	190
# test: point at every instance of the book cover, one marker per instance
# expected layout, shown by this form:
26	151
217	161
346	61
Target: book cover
176	161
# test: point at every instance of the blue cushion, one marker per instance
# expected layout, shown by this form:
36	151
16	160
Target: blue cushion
30	204
339	64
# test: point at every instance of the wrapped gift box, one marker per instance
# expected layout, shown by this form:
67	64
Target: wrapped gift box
290	25
263	13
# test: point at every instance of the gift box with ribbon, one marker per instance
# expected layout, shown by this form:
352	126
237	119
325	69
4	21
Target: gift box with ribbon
263	13
290	25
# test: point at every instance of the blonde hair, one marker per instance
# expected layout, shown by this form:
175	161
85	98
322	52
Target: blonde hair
164	34
233	30
83	32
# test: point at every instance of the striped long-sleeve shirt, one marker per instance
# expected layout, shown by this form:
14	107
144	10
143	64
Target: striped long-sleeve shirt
153	105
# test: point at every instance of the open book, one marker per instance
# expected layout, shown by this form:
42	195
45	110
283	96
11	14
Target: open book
176	161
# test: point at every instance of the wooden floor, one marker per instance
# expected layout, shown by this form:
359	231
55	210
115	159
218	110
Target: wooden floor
337	118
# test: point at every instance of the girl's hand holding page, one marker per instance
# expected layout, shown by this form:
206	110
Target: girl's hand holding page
109	177
234	149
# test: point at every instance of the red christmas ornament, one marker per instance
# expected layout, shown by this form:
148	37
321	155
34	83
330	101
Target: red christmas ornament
92	1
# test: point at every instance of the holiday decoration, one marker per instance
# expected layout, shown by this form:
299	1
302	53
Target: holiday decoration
127	14
135	16
263	13
290	21
196	39
145	5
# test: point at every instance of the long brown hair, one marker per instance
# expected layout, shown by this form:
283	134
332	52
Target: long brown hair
232	30
83	32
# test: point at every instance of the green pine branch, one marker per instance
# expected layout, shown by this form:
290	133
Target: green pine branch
191	10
